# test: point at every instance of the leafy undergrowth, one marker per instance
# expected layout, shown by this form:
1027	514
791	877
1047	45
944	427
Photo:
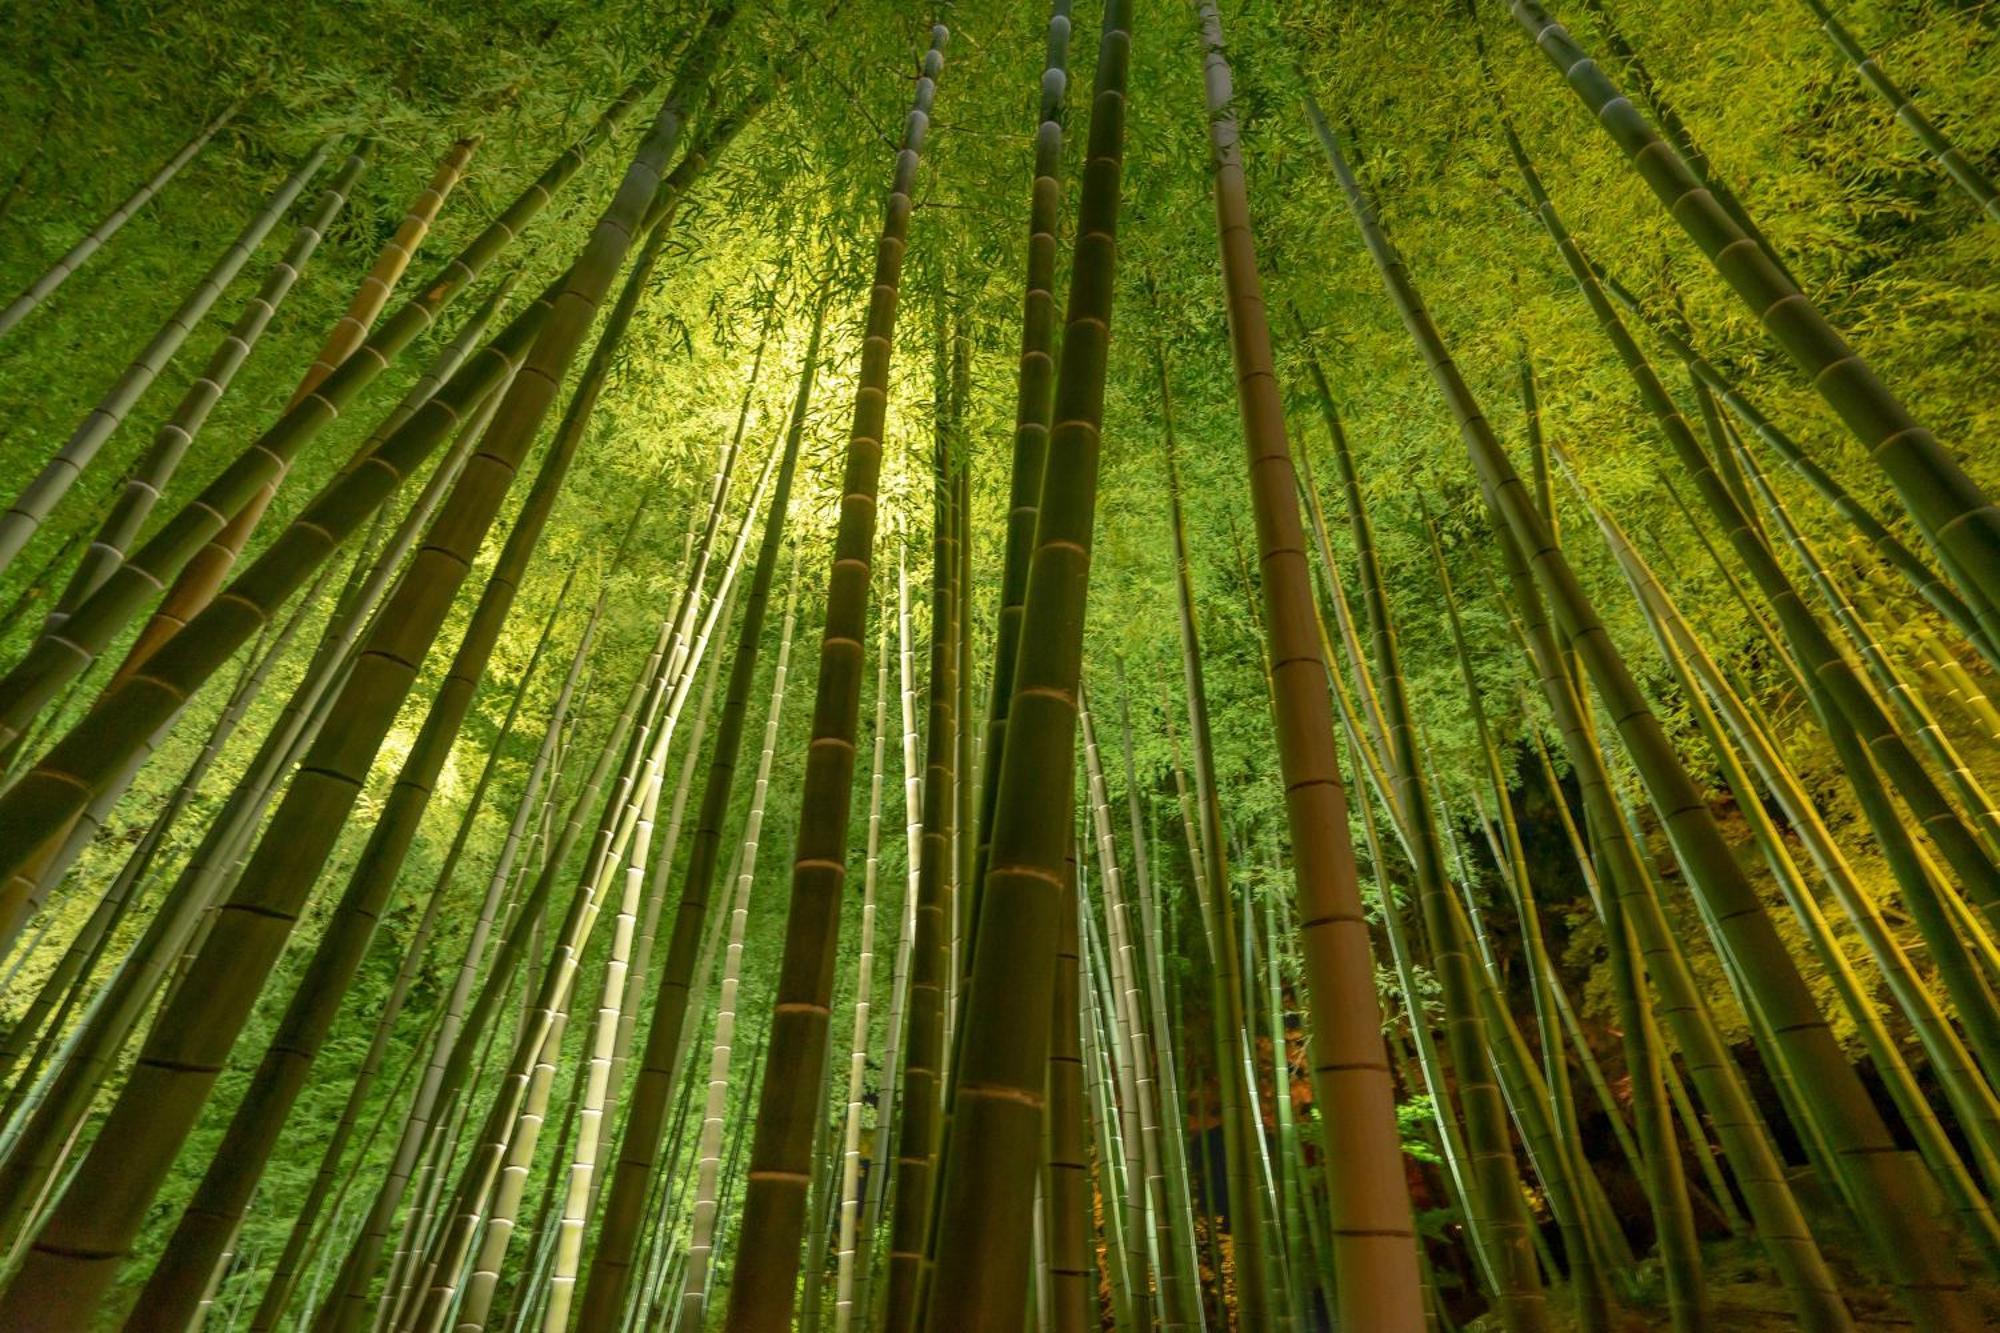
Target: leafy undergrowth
1746	1298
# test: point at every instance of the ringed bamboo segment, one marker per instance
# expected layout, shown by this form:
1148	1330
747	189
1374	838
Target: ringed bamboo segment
986	1204
1374	1237
79	254
25	516
764	1278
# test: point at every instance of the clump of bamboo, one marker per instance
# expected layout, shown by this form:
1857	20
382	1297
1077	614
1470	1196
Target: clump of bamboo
1771	987
74	1254
25	516
203	575
1492	1184
986	1201
149	477
608	1284
1374	1237
1958	519
57	659
261	1116
1839	694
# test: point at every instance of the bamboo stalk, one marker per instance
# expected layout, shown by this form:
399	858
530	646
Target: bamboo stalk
765	1279
849	1214
1962	170
79	254
926	1043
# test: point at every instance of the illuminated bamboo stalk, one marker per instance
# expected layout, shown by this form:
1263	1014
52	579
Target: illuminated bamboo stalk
597	1064
888	1122
1034	405
986	1200
1674	1086
922	1102
656	893
1374	1235
765	1278
203	575
1962	170
1952	679
966	767
864	974
701	1242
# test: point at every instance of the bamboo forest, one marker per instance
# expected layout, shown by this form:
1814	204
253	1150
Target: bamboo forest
1021	667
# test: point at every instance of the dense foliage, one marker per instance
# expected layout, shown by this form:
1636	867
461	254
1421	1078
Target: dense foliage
96	98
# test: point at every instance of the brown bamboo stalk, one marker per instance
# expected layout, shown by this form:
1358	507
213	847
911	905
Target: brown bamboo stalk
202	577
764	1280
1374	1237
